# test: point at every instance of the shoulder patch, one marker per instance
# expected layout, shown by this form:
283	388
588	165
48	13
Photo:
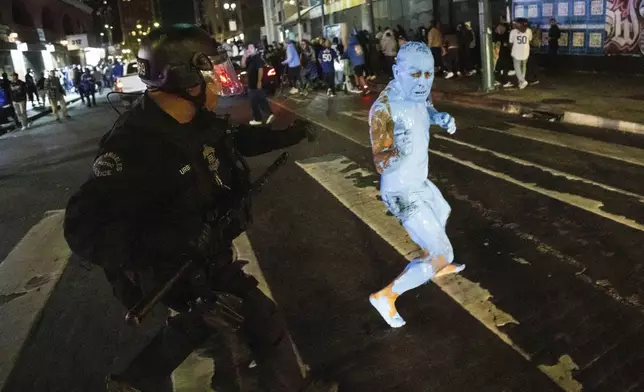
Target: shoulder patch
107	164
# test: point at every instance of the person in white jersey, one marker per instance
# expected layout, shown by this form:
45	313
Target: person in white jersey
399	123
520	38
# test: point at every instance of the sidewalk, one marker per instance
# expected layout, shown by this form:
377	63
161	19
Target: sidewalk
615	102
37	112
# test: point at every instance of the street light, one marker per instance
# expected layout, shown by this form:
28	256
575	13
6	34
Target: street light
156	24
107	26
102	34
138	39
226	6
233	6
111	27
138	26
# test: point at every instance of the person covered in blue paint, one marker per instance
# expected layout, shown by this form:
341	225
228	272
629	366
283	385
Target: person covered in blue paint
399	123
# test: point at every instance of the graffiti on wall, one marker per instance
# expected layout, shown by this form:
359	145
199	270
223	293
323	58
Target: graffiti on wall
624	27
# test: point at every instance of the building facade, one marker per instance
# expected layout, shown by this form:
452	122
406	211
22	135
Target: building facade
45	34
228	20
137	18
281	16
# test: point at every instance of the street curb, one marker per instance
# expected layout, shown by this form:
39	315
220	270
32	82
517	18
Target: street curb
602	122
529	109
28	277
36	116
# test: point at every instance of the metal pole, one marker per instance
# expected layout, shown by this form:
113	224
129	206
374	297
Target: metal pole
372	20
322	7
282	19
485	32
299	21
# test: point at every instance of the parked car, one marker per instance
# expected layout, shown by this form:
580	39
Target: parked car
129	83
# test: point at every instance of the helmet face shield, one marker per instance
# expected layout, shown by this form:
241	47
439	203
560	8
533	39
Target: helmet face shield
219	74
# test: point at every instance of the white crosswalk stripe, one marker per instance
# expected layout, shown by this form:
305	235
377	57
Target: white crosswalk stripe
195	372
627	154
337	175
623	153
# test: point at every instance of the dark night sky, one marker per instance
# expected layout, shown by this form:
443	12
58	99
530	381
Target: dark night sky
176	11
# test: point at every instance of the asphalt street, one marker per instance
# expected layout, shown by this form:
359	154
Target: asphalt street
547	217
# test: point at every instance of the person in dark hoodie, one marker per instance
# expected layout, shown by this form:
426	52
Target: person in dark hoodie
32	91
355	54
19	98
501	38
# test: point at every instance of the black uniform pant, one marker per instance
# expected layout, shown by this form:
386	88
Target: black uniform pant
294	74
437	52
503	66
259	104
553	48
532	69
329	78
265	333
87	95
451	60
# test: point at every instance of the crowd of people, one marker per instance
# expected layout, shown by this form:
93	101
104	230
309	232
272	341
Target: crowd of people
326	63
54	86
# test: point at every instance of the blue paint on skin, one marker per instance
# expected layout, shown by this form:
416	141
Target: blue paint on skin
404	187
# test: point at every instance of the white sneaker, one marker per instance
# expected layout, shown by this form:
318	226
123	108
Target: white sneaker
523	85
24	128
512	72
497	83
449	75
472	72
332	95
254	123
294	91
328	92
458	73
270	119
508	84
535	82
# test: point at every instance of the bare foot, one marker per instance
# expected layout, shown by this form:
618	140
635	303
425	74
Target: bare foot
449	270
384	302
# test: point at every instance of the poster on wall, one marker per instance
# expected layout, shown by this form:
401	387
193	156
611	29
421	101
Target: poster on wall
579	21
624	27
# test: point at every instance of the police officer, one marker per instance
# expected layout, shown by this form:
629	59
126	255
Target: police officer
167	167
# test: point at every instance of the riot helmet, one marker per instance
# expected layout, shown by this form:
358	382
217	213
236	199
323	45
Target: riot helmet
176	58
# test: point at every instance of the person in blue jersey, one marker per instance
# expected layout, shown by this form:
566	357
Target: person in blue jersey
355	53
327	59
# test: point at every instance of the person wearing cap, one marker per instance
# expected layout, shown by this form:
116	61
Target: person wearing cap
165	188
